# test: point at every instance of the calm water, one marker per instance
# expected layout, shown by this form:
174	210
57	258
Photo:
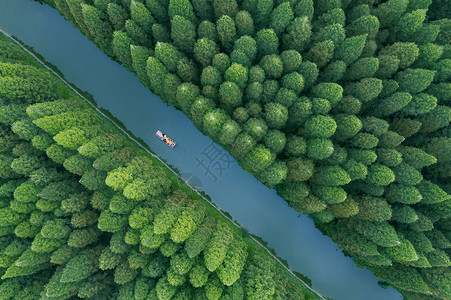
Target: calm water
203	163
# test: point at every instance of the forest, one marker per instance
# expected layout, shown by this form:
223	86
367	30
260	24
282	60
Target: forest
85	213
342	106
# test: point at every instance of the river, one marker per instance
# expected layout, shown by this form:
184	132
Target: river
204	164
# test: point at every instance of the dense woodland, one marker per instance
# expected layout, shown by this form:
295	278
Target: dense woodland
85	214
342	105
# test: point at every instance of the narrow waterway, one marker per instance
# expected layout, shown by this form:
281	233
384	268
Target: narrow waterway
203	163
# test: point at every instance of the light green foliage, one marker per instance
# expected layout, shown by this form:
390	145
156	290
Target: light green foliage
236	73
320	126
258	158
216	250
274	173
331	175
184	226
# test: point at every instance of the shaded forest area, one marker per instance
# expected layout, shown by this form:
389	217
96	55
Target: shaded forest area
85	213
343	106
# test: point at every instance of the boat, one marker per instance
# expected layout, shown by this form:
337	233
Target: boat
165	138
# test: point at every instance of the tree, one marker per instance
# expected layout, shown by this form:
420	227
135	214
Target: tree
281	17
216	250
297	34
258	158
334	71
406	174
276	115
111	222
25	129
274	173
403	194
168	55
355	169
237	74
439	117
156	73
117	15
79	267
230	94
256	74
329	91
331	175
414	80
184	227
272	65
139	55
100	30
256	128
404	214
200	107
321	53
76	12
381	233
204	51
240	57
389	105
247	45
244	23
299	169
389	157
319	148
161	33
408	24
275	140
229	272
365	90
225	7
347	126
198	276
320	126
310	72
196	243
183	34
431	192
121	48
293	81
363	67
182	8
229	132
291	60
407	53
226	31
